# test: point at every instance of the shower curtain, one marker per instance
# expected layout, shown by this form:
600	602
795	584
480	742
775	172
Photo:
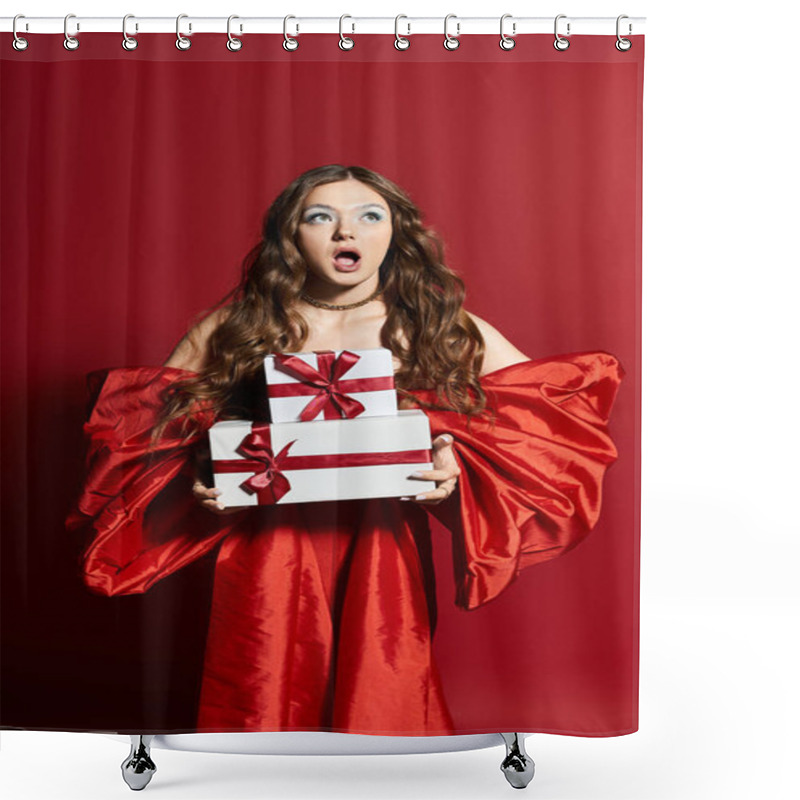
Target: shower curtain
140	189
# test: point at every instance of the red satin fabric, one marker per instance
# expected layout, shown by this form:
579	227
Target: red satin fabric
322	612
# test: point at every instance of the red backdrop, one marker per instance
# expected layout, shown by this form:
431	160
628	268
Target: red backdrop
133	183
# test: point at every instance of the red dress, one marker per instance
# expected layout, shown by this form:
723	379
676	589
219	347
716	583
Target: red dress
321	612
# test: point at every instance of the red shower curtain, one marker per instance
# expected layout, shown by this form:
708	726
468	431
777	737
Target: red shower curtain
134	183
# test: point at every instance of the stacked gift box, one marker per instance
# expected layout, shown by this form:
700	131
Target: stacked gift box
335	434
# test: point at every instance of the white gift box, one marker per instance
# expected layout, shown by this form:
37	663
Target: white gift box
330	384
300	462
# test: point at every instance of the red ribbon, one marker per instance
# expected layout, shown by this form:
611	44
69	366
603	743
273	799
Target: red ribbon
268	482
326	383
271	484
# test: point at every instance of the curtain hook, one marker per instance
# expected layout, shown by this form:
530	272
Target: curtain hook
345	42
400	42
506	42
128	42
18	43
182	43
451	42
70	42
561	43
289	42
233	44
623	44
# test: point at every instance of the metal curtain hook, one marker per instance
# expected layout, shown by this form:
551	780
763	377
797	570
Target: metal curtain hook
289	42
182	43
451	42
506	42
400	42
70	42
623	44
129	42
233	44
18	43
345	42
561	43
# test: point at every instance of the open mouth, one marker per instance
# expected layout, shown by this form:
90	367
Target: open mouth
346	258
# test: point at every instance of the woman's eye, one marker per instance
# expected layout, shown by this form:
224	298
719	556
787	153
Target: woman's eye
377	216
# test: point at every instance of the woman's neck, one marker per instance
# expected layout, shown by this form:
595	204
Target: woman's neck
318	291
324	318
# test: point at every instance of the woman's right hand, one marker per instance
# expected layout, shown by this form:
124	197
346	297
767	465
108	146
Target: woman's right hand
207	497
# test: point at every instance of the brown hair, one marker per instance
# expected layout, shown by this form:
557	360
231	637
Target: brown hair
423	297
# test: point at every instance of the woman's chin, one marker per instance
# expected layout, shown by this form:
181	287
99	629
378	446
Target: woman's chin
349	277
344	278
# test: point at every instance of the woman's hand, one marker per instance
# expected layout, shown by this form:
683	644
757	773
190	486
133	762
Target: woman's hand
445	472
208	499
206	496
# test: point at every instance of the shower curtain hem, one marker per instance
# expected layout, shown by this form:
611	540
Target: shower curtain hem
190	731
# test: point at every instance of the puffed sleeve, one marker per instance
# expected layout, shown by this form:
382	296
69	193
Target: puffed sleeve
531	483
135	504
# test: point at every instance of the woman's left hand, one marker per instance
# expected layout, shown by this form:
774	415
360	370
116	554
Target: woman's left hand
445	472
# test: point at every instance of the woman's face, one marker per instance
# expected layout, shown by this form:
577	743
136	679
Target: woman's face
344	232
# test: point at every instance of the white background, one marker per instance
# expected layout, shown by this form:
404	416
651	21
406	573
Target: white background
719	613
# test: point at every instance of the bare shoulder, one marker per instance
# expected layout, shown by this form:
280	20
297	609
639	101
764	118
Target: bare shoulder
190	352
499	351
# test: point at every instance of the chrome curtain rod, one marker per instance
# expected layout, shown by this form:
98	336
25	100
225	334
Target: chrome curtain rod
406	26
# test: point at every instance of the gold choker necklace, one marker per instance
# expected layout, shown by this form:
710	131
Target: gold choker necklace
343	306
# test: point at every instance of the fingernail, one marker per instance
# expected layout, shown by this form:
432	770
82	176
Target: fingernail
416	474
217	492
405	498
420	497
220	506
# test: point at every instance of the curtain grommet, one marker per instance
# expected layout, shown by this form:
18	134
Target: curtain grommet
400	42
289	42
560	42
70	42
18	43
507	42
182	43
233	44
451	42
622	44
129	42
345	42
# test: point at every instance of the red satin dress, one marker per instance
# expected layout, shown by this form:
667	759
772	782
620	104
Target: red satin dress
323	613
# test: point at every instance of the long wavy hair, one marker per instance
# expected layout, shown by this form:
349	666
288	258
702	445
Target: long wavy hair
423	298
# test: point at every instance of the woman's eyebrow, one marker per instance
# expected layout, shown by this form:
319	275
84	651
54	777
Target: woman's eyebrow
331	208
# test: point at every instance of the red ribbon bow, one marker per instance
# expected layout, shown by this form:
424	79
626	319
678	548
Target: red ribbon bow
325	379
269	483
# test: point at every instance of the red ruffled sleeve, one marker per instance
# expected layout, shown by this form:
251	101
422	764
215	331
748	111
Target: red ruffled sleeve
136	506
531	484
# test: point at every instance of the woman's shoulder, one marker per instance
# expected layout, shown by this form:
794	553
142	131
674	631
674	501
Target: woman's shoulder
499	352
191	351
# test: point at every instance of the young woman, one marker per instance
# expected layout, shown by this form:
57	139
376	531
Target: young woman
323	613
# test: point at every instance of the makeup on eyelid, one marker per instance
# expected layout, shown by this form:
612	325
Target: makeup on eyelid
317	210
